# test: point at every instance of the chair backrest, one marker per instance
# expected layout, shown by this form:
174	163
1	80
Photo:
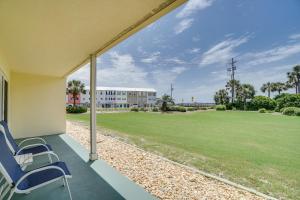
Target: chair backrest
8	137
9	167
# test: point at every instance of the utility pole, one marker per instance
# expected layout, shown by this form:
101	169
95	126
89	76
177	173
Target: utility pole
232	69
172	91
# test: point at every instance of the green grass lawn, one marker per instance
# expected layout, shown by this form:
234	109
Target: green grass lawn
261	151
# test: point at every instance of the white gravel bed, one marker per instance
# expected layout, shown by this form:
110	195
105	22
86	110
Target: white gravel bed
160	177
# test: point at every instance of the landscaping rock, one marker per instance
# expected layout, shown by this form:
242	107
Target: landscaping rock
160	177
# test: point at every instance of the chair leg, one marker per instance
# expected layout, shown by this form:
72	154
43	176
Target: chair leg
50	159
64	182
67	184
11	194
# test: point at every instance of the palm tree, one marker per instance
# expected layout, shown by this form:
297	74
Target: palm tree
221	97
232	86
166	101
279	87
294	79
75	87
267	87
245	92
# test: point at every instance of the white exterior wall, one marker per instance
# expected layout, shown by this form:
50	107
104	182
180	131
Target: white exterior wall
116	97
151	98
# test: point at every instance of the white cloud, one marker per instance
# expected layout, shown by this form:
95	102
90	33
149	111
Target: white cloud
272	55
194	50
193	6
222	52
295	36
164	77
151	58
178	70
183	25
121	72
82	74
174	60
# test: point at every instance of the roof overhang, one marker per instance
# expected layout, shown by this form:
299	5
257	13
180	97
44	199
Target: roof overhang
55	38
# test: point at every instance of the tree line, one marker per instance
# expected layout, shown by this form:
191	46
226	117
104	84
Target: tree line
246	92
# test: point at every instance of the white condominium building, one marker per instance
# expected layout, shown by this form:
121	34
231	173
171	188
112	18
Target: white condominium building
121	97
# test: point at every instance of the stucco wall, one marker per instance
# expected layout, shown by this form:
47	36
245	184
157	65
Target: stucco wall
38	105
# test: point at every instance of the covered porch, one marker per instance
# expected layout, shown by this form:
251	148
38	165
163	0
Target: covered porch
91	179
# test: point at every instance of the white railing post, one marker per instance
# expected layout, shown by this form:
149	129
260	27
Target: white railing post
93	82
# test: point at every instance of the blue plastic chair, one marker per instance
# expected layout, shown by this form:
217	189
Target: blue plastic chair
19	181
36	149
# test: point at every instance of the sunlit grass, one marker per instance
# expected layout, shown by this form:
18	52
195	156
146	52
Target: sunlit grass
257	150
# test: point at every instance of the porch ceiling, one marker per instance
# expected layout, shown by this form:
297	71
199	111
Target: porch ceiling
53	37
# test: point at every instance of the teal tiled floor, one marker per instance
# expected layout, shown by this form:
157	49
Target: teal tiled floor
86	184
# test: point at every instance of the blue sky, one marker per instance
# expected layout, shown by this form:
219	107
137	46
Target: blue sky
191	47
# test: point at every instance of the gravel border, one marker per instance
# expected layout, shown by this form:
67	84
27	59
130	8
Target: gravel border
161	177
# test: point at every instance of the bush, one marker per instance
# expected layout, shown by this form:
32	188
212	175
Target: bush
262	110
155	109
279	96
181	109
76	109
291	111
260	102
178	108
164	107
234	106
288	100
202	108
191	109
134	109
220	107
297	112
144	109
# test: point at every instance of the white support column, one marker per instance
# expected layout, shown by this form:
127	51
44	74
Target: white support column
93	82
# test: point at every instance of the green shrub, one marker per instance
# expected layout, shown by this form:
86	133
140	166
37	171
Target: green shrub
297	112
164	107
220	107
259	102
76	109
181	109
279	96
202	108
177	109
291	111
262	110
191	109
235	106
144	109
134	109
154	109
288	100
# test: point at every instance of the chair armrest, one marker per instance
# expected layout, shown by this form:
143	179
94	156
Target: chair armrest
30	139
32	145
39	170
48	153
